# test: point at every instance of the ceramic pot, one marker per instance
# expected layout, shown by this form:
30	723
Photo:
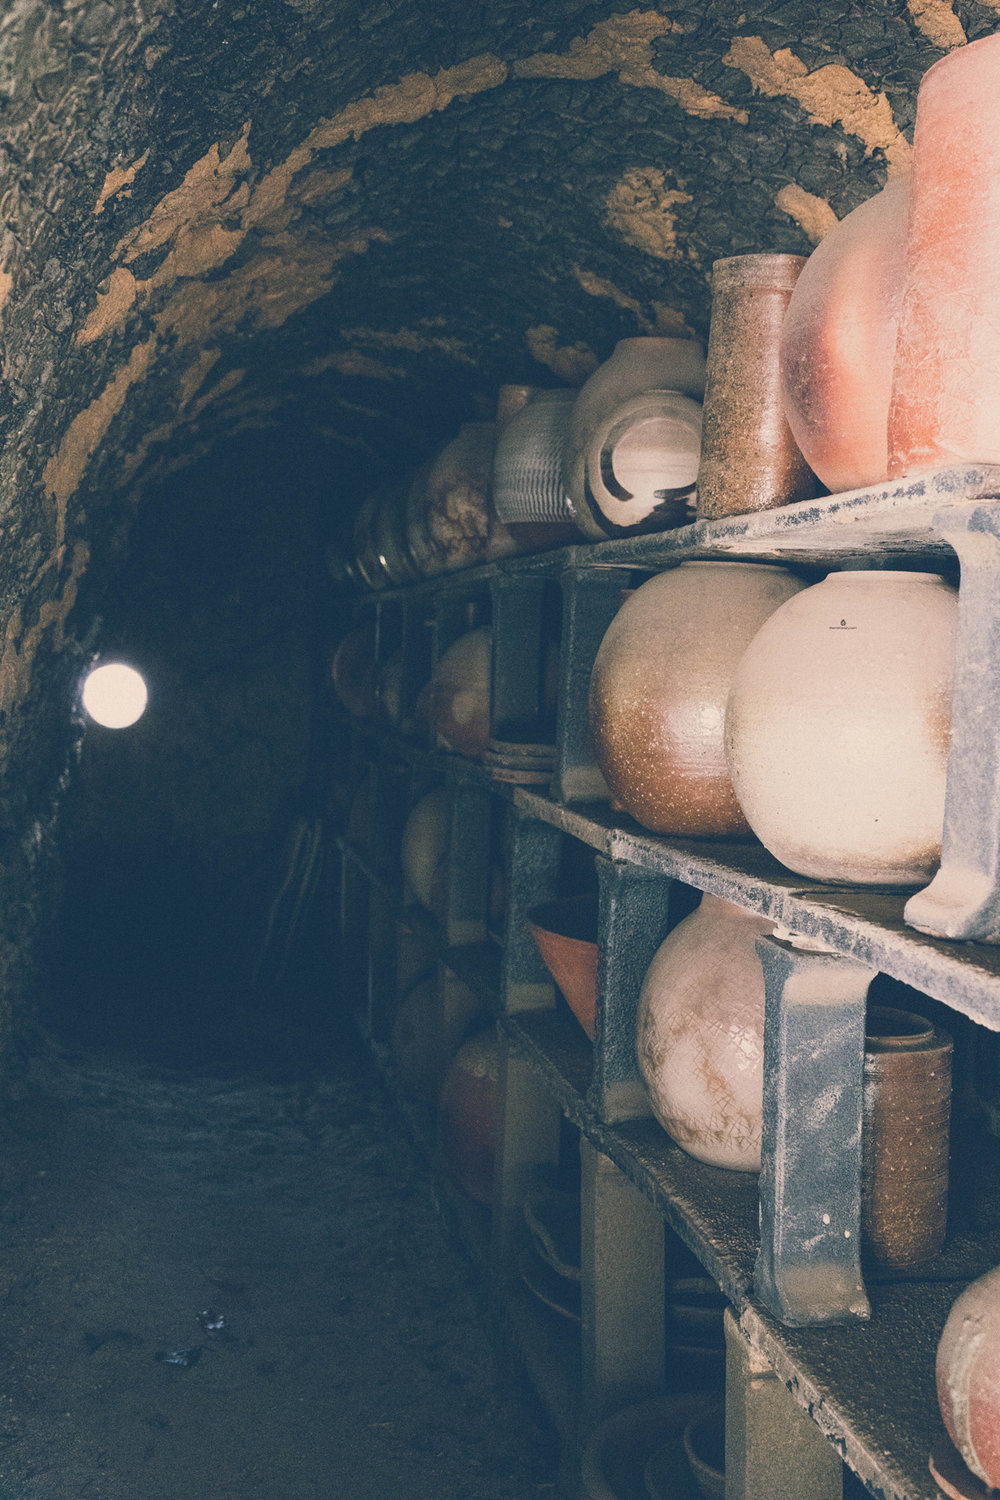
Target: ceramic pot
705	1451
907	1112
614	1460
659	687
426	1034
352	671
458	694
749	458
630	459
366	553
468	1115
424	850
945	405
389	690
450	523
968	1377
700	1034
838	727
528	492
838	342
565	932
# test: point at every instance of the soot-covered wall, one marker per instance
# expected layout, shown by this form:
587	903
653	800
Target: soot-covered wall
255	257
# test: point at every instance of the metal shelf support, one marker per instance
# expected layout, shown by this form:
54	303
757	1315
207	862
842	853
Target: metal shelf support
809	1266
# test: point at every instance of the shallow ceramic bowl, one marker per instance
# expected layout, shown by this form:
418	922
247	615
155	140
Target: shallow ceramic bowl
614	1460
566	934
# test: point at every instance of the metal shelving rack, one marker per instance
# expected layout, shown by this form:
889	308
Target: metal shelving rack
845	1370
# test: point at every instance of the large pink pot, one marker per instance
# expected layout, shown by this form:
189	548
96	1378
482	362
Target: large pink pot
838	342
659	687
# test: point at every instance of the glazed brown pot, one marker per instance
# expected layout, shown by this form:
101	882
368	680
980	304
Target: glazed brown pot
659	688
468	1115
566	934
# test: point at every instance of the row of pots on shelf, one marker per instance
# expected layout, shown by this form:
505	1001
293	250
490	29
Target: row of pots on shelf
876	357
700	1051
730	699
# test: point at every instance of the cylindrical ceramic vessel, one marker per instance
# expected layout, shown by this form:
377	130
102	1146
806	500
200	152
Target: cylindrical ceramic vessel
838	342
968	1377
659	688
907	1113
527	464
700	1035
749	458
458	693
838	727
945	405
468	1115
366	553
630	459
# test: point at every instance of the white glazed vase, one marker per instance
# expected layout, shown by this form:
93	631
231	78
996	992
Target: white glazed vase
700	1038
838	727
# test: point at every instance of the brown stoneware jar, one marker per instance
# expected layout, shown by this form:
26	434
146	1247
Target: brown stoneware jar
659	687
459	693
468	1115
749	459
968	1388
907	1113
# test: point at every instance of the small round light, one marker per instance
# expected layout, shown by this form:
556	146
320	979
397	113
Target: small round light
115	695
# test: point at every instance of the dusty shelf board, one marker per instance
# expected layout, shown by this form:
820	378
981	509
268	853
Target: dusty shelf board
863	922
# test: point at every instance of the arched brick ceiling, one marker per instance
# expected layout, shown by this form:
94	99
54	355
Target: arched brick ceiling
350	222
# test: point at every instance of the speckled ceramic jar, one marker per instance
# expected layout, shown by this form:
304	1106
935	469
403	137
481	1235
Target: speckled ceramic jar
838	727
749	458
659	688
907	1114
700	1035
968	1377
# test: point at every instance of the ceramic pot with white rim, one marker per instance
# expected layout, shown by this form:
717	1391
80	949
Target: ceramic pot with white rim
630	461
659	687
700	1034
838	727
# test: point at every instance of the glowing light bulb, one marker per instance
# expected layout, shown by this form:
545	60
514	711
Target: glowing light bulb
114	695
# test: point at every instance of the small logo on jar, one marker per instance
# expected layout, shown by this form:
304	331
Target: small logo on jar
843	626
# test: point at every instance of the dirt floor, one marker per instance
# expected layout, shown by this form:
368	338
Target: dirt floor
238	1288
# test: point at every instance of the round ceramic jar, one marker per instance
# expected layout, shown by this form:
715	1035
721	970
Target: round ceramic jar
632	447
424	850
468	1115
700	1037
838	727
659	687
458	693
968	1377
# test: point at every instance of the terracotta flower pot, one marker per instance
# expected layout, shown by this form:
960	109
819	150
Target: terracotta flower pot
838	727
700	1034
566	934
659	688
838	342
968	1377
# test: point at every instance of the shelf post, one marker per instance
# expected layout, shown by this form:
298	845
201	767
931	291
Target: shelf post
774	1450
633	921
467	893
591	599
622	1290
533	868
963	899
809	1267
516	709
